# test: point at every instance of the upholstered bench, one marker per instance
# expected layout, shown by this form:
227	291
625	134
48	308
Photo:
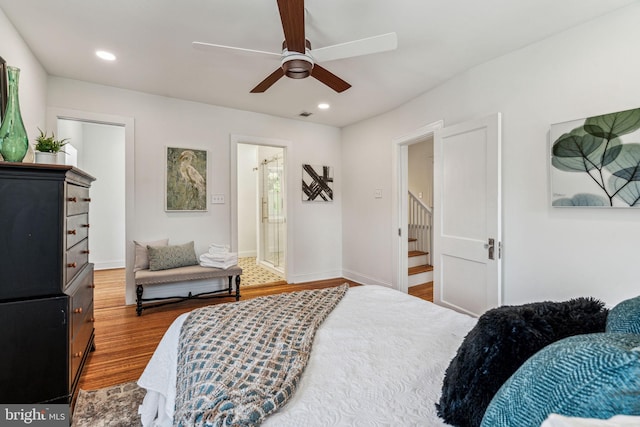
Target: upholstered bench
183	274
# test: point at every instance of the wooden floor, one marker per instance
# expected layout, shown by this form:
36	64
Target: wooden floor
125	342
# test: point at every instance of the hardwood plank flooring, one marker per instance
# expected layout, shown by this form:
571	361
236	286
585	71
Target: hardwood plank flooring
125	342
424	291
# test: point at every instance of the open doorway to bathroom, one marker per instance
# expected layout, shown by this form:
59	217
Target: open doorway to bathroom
262	224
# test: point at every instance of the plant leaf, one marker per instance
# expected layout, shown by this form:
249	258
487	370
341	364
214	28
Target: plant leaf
625	178
582	199
612	125
575	152
626	164
626	190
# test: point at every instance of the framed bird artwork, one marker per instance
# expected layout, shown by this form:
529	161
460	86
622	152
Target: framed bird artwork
186	180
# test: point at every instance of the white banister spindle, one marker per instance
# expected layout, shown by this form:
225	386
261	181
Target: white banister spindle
420	225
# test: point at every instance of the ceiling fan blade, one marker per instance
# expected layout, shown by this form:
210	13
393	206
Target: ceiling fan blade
367	46
269	81
330	79
211	46
292	17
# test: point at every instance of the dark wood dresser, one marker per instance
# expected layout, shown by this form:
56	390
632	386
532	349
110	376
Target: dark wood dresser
46	282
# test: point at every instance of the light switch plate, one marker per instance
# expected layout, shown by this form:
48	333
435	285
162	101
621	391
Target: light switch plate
217	199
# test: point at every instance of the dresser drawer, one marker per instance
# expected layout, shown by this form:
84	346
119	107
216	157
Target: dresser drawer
75	259
79	345
77	229
77	199
81	301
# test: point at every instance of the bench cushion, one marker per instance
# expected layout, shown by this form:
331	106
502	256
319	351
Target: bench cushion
183	274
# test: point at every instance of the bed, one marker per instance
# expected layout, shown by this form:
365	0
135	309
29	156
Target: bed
380	357
377	359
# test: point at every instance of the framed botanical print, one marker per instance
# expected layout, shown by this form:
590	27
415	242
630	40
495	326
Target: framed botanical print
595	162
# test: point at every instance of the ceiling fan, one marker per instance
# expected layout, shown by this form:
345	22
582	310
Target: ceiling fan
298	60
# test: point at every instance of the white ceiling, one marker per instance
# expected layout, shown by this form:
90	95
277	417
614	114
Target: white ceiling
152	40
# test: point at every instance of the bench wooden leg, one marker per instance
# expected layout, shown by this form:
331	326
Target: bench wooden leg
238	287
139	290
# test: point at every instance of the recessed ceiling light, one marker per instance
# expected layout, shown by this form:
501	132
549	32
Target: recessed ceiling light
107	56
323	106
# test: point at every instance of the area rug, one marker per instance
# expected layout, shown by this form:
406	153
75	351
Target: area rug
115	406
254	275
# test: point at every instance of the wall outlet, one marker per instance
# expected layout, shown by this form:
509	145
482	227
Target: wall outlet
377	194
217	199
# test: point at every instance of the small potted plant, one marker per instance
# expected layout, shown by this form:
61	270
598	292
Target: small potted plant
49	149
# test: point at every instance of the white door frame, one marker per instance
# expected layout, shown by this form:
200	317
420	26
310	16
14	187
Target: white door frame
233	193
400	188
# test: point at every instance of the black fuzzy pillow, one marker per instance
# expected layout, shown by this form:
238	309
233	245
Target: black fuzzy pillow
502	340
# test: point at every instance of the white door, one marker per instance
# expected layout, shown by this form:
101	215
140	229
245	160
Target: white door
467	224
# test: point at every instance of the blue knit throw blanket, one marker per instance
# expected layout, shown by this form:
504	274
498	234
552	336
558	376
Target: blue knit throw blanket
239	362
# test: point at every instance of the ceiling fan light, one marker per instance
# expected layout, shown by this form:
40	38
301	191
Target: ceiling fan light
297	68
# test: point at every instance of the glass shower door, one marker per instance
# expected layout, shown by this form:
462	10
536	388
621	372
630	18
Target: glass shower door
272	213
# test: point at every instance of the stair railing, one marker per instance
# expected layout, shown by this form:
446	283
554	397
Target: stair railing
420	225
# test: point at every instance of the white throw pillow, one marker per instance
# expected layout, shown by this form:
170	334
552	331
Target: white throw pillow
142	254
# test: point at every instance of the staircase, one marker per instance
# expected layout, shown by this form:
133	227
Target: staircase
420	271
420	224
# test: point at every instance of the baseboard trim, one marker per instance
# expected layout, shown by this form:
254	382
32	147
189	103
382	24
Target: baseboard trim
364	279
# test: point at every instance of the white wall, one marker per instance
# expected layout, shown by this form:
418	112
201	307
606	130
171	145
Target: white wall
32	88
420	171
247	196
549	253
160	121
103	156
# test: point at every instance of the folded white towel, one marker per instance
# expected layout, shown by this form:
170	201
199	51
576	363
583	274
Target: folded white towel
206	261
216	248
220	256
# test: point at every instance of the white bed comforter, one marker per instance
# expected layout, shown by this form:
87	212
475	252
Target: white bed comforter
377	360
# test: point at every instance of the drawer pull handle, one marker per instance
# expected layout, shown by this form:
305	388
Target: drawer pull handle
85	225
71	232
92	286
72	265
85	252
78	354
78	310
92	320
86	199
72	199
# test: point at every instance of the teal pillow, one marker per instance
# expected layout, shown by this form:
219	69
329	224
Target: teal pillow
589	376
165	257
625	317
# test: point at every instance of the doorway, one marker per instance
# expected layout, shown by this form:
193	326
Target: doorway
99	150
467	213
127	125
260	211
401	187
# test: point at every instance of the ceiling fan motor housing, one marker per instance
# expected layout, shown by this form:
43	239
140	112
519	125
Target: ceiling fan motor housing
297	65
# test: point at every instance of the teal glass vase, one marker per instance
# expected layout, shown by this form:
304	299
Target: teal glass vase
14	142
